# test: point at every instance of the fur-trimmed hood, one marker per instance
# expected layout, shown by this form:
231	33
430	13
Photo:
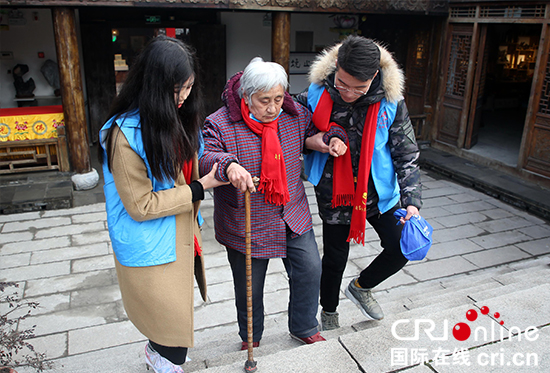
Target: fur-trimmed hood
393	77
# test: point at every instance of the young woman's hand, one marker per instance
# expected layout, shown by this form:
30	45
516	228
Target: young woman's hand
209	180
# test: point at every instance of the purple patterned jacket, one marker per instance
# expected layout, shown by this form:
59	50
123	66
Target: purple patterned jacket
227	138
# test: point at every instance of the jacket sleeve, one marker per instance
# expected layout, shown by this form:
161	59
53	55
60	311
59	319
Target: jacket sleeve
301	98
405	153
334	131
136	189
215	151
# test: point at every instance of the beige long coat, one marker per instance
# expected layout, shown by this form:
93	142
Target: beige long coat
159	299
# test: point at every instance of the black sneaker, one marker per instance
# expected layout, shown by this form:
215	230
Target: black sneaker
329	320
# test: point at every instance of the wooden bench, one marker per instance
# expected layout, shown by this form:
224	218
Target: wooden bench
38	154
419	124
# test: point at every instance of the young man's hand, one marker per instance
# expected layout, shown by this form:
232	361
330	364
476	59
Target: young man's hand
411	210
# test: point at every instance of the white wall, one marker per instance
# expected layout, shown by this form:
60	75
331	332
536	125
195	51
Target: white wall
247	38
25	42
320	24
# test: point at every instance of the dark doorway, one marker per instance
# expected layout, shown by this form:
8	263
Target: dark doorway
113	38
511	56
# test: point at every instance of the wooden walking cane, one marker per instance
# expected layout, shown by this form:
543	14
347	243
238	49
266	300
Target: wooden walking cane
250	364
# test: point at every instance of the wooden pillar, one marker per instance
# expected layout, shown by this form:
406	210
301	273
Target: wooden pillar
72	96
280	38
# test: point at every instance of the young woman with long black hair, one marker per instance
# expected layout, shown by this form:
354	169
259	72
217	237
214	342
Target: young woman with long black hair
152	191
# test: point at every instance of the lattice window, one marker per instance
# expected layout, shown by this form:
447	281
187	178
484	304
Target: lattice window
530	11
544	104
462	12
458	64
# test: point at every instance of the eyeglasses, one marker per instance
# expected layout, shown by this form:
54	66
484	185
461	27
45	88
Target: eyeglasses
354	91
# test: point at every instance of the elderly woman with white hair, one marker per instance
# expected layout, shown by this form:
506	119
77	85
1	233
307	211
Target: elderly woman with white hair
260	132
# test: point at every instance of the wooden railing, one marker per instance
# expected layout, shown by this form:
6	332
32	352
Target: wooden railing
35	155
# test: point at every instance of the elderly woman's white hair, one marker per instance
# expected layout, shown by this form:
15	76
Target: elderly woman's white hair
262	76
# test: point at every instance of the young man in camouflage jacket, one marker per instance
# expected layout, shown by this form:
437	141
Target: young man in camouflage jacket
358	74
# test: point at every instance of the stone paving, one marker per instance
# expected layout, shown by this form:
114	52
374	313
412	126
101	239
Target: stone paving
63	260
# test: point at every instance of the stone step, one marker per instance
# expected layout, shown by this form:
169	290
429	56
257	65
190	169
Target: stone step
409	294
26	196
400	292
422	296
426	299
522	308
352	320
453	281
471	295
487	283
371	349
225	339
524	274
361	350
328	356
217	348
541	261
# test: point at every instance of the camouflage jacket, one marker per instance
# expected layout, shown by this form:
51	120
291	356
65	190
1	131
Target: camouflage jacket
402	143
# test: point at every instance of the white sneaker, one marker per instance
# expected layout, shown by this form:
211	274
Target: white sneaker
160	364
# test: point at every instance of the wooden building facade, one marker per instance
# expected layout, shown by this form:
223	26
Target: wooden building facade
494	86
460	59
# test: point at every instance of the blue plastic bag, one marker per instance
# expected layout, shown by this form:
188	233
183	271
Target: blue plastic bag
416	237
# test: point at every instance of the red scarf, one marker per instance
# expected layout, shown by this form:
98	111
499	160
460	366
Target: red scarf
343	193
187	170
273	175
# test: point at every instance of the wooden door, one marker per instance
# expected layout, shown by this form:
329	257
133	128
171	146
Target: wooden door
209	41
457	83
418	57
535	154
99	73
474	117
417	70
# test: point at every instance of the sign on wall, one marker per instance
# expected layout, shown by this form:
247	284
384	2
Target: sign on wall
300	62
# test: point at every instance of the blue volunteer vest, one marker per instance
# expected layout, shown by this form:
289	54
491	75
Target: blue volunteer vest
136	244
383	173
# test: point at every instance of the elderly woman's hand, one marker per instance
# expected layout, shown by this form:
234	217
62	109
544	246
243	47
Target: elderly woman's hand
240	178
337	147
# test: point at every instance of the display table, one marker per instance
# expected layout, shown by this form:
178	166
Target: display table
32	138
